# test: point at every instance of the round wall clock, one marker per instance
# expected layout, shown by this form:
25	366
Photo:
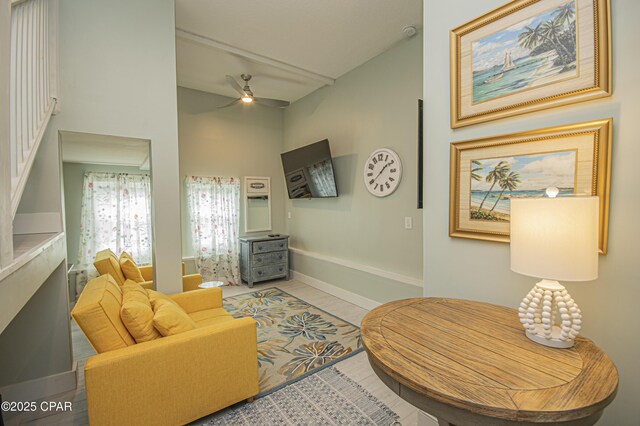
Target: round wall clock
382	172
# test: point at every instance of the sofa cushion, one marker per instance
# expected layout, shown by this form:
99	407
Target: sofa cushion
136	313
130	268
107	263
170	319
97	313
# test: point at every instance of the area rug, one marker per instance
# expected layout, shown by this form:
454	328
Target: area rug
326	398
295	339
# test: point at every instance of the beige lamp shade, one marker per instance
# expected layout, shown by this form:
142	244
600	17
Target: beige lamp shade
555	238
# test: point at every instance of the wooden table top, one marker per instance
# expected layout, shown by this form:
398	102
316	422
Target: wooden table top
475	357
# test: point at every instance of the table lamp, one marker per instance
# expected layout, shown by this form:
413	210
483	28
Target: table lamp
553	239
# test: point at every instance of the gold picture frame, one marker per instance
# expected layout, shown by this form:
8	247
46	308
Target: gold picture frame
529	55
485	173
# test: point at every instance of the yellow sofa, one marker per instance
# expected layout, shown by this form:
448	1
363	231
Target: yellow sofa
106	262
171	380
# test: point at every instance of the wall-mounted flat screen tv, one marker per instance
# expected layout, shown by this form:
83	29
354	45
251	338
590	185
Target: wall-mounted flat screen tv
308	171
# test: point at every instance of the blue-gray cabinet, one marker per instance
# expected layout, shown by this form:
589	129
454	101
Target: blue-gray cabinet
264	258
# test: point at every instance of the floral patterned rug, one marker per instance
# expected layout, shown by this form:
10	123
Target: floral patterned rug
295	339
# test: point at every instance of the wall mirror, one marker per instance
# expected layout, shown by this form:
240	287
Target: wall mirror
257	204
107	201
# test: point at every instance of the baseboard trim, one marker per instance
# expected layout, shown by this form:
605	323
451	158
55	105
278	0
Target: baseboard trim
42	387
360	267
343	294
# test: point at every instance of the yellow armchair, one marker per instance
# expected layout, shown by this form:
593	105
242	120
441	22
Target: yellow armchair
106	262
171	380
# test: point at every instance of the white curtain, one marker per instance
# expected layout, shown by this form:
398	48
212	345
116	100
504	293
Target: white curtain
214	207
116	214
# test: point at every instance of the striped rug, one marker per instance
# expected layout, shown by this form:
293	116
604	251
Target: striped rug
325	398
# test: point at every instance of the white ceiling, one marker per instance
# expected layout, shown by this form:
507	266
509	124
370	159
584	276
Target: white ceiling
291	47
88	148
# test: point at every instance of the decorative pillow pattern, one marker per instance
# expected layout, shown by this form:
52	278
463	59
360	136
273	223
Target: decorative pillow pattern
170	319
130	268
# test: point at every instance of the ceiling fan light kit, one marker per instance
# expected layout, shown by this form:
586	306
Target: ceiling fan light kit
246	95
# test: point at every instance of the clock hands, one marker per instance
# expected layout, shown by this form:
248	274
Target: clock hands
385	166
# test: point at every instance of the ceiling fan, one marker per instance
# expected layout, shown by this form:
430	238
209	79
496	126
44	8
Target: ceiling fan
246	95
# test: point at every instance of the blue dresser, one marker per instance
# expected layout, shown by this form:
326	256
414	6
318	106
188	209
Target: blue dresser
264	258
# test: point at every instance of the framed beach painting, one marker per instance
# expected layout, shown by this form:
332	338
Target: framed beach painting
487	173
529	55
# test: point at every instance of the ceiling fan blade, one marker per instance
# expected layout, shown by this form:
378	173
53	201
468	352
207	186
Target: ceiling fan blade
276	103
235	101
233	83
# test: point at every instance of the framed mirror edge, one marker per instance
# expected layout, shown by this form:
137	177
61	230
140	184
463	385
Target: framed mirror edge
257	187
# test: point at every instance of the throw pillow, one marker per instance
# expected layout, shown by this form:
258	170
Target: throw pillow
156	296
130	268
138	318
132	286
136	313
170	319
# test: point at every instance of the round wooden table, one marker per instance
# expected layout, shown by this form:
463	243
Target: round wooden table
469	362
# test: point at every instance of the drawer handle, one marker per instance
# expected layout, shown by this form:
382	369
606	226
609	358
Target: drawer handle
259	272
280	257
258	260
280	269
281	245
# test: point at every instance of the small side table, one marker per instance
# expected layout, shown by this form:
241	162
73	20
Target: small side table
211	284
470	363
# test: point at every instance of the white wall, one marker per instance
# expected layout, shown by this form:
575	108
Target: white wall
479	270
118	78
373	106
242	140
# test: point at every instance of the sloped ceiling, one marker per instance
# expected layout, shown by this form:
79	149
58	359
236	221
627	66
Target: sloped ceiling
291	47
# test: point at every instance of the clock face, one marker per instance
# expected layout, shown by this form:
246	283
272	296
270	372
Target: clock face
382	172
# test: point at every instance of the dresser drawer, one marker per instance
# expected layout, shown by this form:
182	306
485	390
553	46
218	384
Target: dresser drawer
270	271
269	246
269	258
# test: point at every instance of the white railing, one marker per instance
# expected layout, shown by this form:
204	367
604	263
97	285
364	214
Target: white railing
32	87
28	85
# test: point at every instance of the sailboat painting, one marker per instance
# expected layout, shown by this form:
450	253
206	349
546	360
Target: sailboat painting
534	52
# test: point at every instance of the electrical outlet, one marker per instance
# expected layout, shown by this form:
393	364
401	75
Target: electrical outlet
408	222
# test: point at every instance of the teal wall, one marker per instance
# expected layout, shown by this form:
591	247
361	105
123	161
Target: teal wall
242	140
456	267
372	106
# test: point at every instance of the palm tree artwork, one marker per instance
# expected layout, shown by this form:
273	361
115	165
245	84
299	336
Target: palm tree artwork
509	182
476	166
535	51
551	30
565	14
530	38
494	176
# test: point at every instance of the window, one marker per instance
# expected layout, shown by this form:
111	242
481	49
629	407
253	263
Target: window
116	214
214	206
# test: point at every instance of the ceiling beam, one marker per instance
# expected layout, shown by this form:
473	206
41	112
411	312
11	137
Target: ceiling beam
206	41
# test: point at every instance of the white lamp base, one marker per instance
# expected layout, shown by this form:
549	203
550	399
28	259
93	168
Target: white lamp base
538	311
